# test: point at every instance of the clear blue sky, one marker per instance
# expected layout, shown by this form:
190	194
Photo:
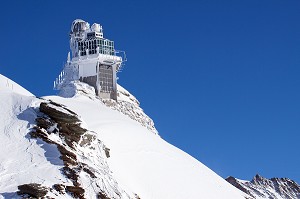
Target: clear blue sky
221	79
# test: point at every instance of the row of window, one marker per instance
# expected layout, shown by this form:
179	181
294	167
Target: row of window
105	47
101	51
98	42
81	48
94	34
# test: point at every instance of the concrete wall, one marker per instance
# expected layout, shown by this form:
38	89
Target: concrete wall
87	69
91	80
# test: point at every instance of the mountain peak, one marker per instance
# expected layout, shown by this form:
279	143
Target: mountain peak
260	187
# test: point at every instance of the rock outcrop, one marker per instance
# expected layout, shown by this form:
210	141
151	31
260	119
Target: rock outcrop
274	188
32	190
84	156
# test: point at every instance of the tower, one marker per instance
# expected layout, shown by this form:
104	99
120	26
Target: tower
93	60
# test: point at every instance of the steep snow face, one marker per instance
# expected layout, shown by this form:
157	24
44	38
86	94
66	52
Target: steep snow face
23	160
262	188
11	86
142	162
47	159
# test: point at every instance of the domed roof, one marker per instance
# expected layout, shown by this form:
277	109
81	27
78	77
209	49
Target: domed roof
96	27
78	25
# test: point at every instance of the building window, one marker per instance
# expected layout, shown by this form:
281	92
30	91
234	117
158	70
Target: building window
105	46
106	78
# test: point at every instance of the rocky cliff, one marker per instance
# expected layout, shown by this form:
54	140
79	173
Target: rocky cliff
274	188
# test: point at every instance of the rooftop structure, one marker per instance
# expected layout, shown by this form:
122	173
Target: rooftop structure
93	60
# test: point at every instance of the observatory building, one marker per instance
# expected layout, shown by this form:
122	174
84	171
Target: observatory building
93	60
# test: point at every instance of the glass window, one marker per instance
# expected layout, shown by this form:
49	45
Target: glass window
106	78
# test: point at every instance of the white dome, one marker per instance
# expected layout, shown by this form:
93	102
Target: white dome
96	27
79	25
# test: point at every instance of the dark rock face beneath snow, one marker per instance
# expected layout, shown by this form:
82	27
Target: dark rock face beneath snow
55	111
82	153
32	190
274	188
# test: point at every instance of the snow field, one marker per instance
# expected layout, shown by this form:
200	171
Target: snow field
145	164
142	163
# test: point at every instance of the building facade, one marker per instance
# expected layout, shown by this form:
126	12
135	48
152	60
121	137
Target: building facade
93	60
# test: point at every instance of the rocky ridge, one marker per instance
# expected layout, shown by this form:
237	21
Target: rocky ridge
261	188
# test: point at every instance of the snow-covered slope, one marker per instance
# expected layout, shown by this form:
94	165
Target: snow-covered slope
9	85
262	188
23	160
144	163
139	163
126	104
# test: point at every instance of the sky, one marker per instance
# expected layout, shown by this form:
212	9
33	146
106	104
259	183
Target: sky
219	78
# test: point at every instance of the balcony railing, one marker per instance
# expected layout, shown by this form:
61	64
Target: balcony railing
69	73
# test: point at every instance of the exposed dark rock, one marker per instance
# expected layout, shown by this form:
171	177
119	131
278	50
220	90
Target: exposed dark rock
77	192
60	105
107	150
57	115
67	121
71	174
64	123
71	132
60	188
88	170
67	125
33	190
73	129
87	139
39	133
274	188
102	195
44	123
259	180
68	157
235	183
